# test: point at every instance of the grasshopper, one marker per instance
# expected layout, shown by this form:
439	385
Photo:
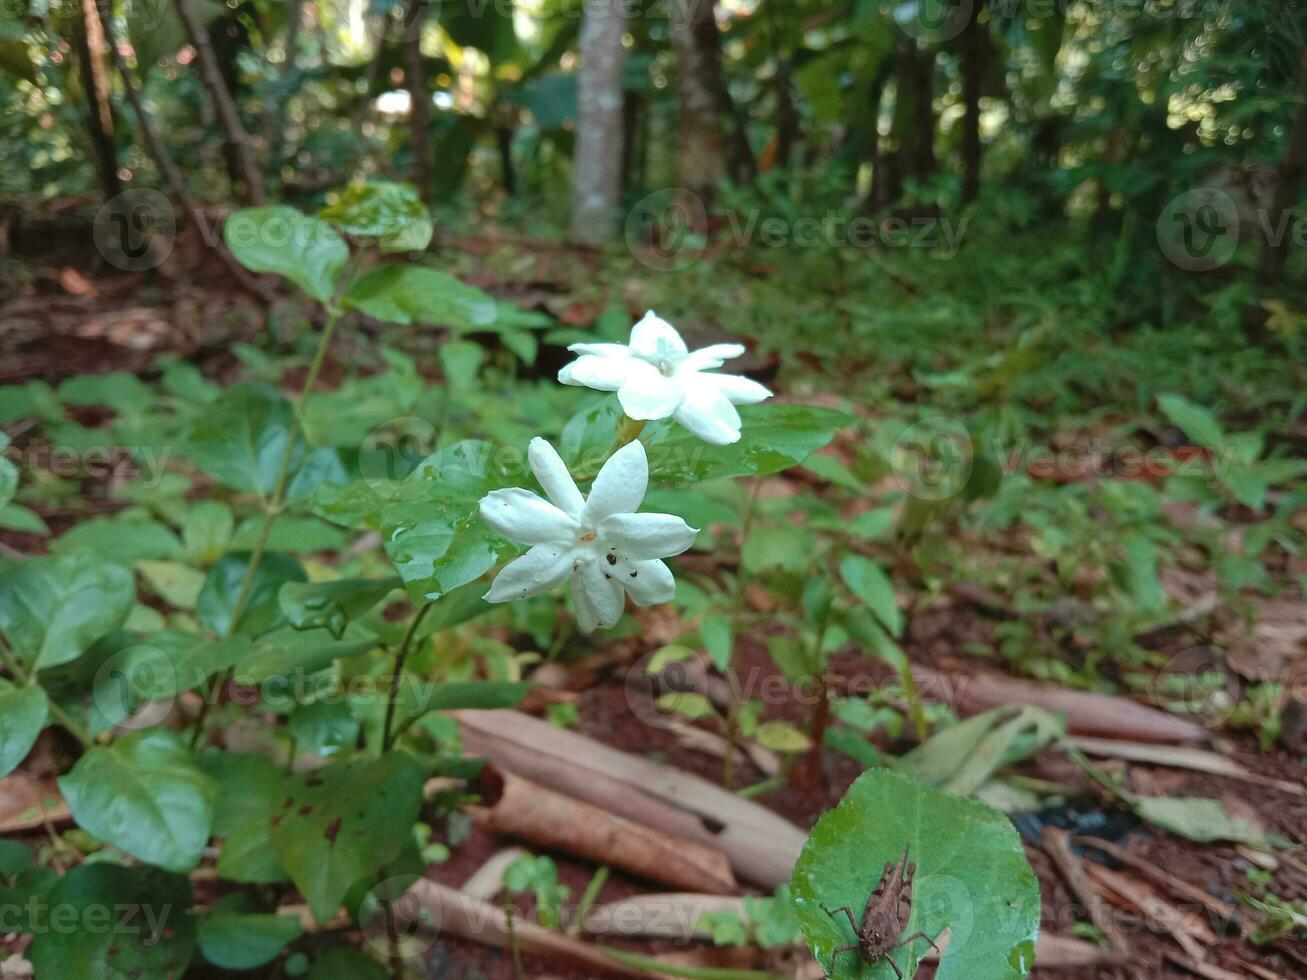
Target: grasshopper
886	916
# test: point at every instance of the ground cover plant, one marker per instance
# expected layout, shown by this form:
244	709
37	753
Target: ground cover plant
739	490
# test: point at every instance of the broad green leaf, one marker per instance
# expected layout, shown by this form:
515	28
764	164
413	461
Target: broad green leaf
240	440
144	795
279	239
15	517
781	737
125	393
249	789
324	727
687	704
53	609
176	584
409	294
1197	422
774	437
285	656
206	529
343	822
417	697
121	542
866	580
784	546
460	360
972	879
222	588
23	711
160	667
235	938
155	942
15	856
331	605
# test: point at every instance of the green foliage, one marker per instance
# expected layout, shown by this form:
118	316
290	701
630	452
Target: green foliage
970	864
282	240
53	609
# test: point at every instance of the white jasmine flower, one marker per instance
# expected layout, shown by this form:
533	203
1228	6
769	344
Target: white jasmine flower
656	377
600	543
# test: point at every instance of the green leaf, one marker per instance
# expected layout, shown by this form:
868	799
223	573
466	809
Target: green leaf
715	631
15	517
410	294
324	728
155	942
866	580
1198	423
417	697
385	210
241	940
780	736
262	613
176	584
249	789
240	439
331	605
340	823
962	758
23	712
144	795
125	393
972	878
121	542
53	609
1198	819
206	529
287	655
687	704
1141	573
279	239
15	856
784	546
774	437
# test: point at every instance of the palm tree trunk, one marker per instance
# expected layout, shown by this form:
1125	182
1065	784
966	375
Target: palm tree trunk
597	172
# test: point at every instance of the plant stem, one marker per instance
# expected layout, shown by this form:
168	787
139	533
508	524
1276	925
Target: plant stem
737	608
274	506
27	679
387	735
628	430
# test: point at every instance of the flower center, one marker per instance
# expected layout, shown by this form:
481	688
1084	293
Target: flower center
589	536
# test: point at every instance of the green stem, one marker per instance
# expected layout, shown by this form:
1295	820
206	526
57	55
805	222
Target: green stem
628	430
737	609
387	735
274	506
28	679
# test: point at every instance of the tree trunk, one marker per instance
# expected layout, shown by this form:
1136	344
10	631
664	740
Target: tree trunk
878	196
787	115
419	93
918	87
597	172
699	87
507	172
247	181
94	73
975	48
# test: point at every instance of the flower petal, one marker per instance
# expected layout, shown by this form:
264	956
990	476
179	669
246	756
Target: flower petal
738	389
645	536
521	515
655	339
648	583
619	488
707	358
542	568
709	415
600	372
597	596
554	476
647	394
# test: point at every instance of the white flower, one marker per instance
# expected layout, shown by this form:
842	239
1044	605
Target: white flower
601	543
656	377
